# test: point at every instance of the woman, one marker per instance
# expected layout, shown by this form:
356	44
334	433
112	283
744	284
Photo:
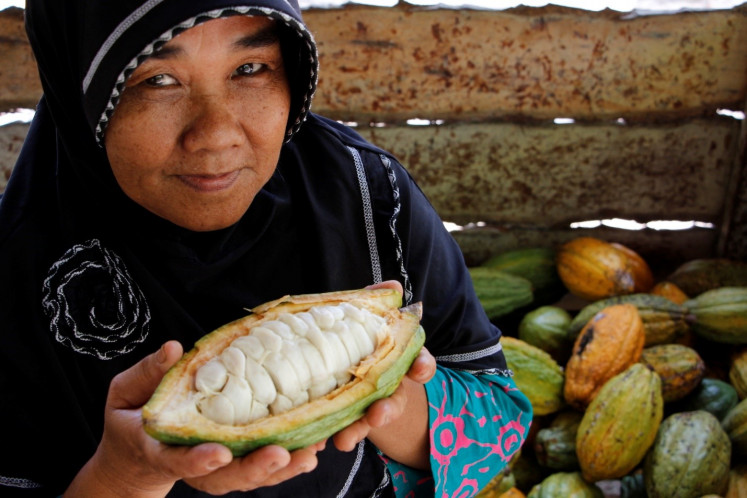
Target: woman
173	177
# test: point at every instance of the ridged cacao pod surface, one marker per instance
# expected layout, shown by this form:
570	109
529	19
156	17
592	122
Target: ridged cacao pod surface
499	292
738	373
593	269
700	275
555	445
680	368
689	458
536	264
546	327
620	424
536	374
663	320
670	291
734	424
737	481
720	315
643	278
711	395
609	343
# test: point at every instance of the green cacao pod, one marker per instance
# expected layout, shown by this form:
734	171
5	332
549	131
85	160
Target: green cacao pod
499	292
567	485
243	385
738	373
734	424
663	320
689	458
720	315
633	485
536	264
547	328
555	445
620	424
711	395
700	275
536	374
680	369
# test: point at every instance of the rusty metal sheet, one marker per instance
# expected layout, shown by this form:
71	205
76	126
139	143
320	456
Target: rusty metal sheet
388	64
551	175
19	80
11	141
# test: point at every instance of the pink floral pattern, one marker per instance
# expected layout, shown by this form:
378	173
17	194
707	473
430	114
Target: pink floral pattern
478	422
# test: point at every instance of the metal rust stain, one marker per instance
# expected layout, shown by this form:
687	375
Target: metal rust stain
547	176
539	63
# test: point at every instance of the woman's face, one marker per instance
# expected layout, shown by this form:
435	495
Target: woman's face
198	130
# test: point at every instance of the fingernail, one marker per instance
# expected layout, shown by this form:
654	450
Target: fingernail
161	355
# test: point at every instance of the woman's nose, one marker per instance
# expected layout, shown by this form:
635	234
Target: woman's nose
212	125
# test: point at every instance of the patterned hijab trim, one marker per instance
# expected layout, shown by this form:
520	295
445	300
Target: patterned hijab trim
276	15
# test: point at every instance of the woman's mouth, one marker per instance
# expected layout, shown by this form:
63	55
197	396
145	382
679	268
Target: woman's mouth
210	183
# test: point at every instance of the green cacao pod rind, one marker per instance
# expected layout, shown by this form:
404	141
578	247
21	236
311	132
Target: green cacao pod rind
546	328
555	445
711	395
690	457
536	264
620	424
734	424
567	485
663	320
500	292
172	418
720	314
536	374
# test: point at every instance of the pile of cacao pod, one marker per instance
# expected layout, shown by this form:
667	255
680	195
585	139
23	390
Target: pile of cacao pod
638	391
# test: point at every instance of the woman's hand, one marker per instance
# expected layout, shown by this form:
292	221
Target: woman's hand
128	462
405	439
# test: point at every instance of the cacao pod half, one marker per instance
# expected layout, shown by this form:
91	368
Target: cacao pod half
292	373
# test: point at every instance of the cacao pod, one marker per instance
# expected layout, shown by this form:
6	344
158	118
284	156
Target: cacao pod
689	458
680	368
663	320
593	269
244	385
720	314
536	374
611	342
620	424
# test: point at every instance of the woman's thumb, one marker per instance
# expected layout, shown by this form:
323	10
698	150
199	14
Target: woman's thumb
133	387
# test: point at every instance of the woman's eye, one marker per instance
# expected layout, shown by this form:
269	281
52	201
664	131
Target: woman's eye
248	69
160	80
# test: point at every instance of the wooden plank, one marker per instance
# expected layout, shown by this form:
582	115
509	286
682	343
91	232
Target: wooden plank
393	63
390	64
19	81
552	175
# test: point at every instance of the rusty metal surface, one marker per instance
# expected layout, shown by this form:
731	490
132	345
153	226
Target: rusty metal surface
11	140
388	64
548	176
19	80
